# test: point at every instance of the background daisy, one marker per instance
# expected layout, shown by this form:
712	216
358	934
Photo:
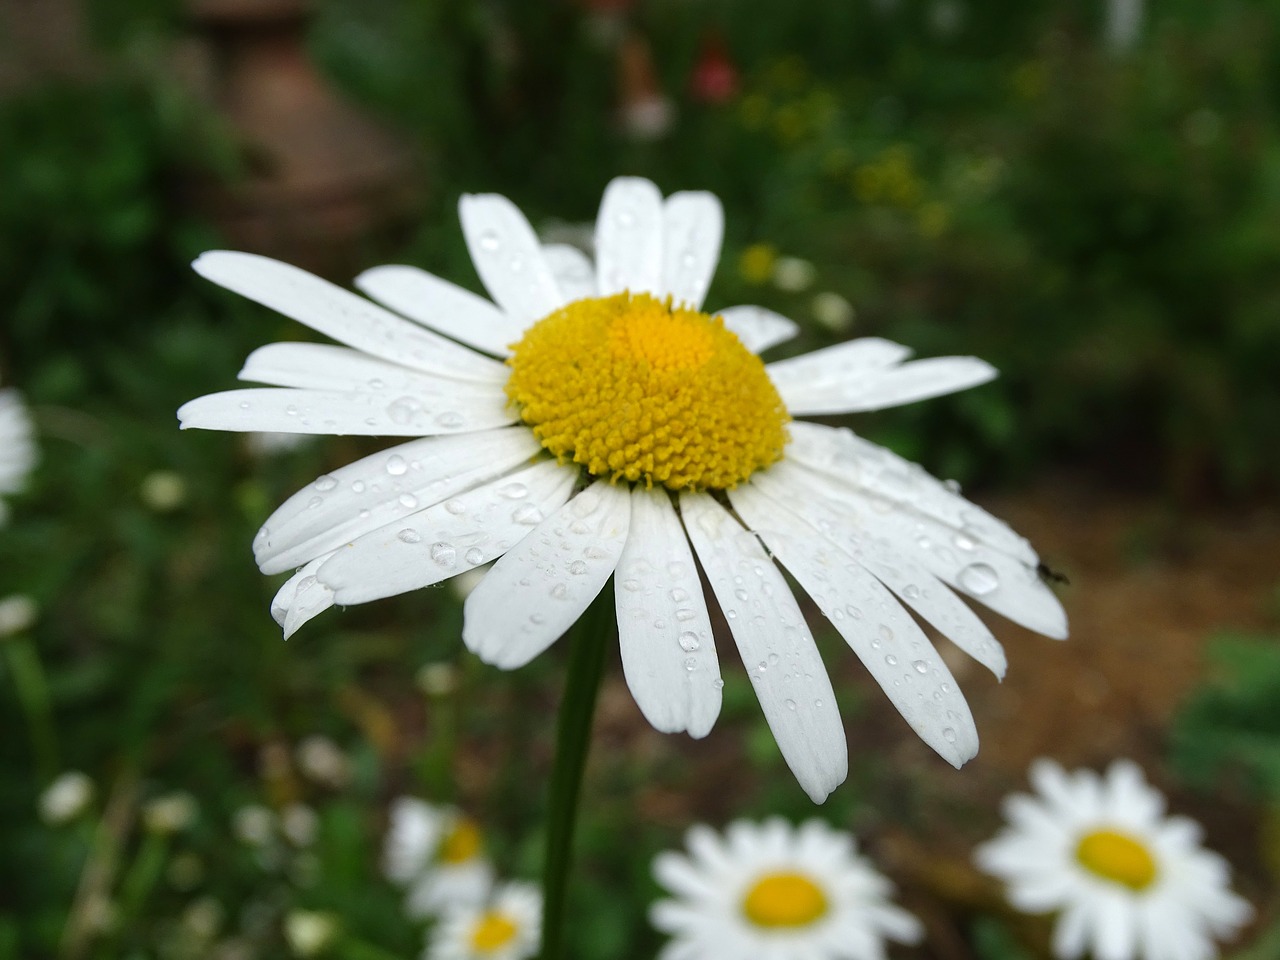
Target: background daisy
17	446
1127	881
437	853
774	890
505	927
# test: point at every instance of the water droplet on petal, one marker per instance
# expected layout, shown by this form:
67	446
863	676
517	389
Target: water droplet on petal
490	241
949	735
790	704
514	491
456	507
891	660
474	556
326	483
578	567
689	641
396	465
979	579
409	535
408	501
920	666
443	553
527	514
560	591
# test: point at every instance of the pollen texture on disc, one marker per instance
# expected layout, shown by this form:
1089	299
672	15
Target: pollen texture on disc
633	388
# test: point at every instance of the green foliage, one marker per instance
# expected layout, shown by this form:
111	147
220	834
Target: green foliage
1231	726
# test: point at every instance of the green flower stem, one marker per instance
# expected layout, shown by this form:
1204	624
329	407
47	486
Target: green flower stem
588	640
33	694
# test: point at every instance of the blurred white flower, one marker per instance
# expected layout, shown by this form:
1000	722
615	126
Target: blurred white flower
17	446
438	679
507	926
323	761
793	274
203	917
253	825
170	813
308	932
1128	881
833	311
68	796
299	824
163	490
438	853
18	613
775	890
1123	24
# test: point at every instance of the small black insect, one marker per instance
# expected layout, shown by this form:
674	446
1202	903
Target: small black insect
1050	575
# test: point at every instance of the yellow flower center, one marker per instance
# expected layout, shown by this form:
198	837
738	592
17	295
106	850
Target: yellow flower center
636	389
1117	857
461	843
493	930
784	900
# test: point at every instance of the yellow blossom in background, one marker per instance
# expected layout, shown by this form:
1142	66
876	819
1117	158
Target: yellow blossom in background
933	218
1030	80
757	262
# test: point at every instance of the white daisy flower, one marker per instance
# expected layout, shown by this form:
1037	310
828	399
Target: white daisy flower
775	890
507	927
438	854
616	430
17	446
1129	882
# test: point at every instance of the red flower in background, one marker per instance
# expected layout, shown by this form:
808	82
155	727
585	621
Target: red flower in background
715	78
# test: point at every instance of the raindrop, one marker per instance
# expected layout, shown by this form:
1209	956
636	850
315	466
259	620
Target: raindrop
952	486
409	535
527	514
626	217
740	594
679	596
790	704
762	666
920	666
396	465
891	660
456	507
578	567
408	501
514	491
911	591
691	664
450	419
443	553
403	410
979	579
684	615
474	556
314	502
689	641
886	632
718	683
560	591
964	542
949	735
326	483
489	240
631	586
357	486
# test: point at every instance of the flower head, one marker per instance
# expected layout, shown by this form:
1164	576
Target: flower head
1128	881
775	890
593	422
17	446
438	853
505	926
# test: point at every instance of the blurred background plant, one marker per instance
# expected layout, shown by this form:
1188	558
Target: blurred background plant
1093	207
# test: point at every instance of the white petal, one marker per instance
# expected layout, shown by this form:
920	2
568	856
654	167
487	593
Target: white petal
572	269
842	454
990	576
836	365
693	227
323	366
383	487
769	629
300	598
1116	931
758	328
540	587
629	238
888	387
889	643
366	414
1071	932
664	631
508	257
442	306
786	484
448	538
342	315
